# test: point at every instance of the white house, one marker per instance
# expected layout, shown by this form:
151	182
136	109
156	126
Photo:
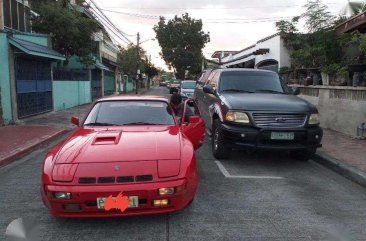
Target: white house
268	53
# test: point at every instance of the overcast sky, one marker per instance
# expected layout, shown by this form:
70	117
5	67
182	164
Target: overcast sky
233	24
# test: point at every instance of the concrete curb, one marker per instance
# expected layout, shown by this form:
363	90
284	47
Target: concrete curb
340	167
31	148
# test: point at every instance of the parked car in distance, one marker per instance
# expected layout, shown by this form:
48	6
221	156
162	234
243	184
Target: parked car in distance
174	86
162	84
130	144
253	109
187	88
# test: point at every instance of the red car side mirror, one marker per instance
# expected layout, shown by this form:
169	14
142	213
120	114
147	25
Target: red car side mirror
75	121
194	119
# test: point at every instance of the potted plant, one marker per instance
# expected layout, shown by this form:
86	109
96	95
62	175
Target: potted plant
328	73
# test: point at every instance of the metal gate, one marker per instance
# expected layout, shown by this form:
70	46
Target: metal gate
96	83
33	86
109	83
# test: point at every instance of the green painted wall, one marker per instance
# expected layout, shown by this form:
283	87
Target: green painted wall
34	38
5	79
67	94
109	83
129	85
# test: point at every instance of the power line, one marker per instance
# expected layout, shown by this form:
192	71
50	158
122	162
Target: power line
211	8
107	27
109	21
233	20
107	24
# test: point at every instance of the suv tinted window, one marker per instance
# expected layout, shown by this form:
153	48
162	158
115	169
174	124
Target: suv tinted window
251	81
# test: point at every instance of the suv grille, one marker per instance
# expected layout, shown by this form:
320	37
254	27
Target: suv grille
279	120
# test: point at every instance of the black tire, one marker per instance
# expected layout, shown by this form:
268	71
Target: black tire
303	155
219	150
171	91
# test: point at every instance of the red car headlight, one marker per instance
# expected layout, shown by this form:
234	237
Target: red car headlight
64	172
168	168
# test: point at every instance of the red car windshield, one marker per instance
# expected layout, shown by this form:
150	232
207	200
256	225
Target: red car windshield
131	112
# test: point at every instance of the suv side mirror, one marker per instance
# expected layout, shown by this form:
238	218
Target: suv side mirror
296	91
208	89
74	120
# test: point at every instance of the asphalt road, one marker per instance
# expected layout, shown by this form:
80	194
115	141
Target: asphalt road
261	196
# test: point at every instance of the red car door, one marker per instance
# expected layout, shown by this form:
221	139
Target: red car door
192	124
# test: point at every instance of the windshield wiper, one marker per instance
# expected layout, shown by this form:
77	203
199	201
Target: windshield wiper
141	123
236	90
270	91
100	124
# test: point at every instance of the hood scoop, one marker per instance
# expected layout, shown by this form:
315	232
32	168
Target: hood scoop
107	138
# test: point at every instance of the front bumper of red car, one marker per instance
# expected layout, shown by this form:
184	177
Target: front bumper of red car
83	202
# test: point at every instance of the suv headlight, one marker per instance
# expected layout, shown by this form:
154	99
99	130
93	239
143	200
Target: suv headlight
239	117
314	119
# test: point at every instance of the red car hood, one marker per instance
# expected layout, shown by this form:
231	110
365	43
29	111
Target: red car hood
121	144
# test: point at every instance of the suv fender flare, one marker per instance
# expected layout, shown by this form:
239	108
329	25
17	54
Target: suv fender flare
215	109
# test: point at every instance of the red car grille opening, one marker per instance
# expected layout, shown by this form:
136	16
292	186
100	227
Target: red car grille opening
120	179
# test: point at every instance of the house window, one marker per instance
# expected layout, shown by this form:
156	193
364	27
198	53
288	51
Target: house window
16	16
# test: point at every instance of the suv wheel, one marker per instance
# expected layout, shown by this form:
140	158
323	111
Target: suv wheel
303	155
218	149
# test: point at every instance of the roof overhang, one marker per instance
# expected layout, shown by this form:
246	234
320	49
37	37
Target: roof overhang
256	52
357	22
35	49
100	65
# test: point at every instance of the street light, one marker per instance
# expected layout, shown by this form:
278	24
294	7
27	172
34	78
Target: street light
152	39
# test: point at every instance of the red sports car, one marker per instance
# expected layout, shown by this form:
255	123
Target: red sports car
127	148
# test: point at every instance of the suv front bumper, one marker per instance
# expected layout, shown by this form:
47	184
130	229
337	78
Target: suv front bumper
244	137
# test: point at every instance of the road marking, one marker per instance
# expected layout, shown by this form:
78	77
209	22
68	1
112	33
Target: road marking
228	175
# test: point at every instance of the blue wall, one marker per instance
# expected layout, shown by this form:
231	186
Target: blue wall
5	79
67	94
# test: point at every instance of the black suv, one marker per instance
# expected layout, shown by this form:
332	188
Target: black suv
254	109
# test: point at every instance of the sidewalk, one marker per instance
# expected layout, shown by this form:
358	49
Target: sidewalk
343	154
18	140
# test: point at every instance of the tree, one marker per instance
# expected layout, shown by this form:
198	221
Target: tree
150	71
317	17
127	59
182	40
288	27
71	32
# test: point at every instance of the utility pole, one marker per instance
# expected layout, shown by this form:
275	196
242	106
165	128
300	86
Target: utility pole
138	62
1	15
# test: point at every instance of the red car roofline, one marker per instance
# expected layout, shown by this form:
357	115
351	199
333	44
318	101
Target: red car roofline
133	97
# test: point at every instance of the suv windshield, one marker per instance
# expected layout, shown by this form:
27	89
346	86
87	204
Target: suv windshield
130	113
245	81
189	85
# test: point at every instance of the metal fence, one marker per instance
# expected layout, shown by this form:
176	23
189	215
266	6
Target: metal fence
33	86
